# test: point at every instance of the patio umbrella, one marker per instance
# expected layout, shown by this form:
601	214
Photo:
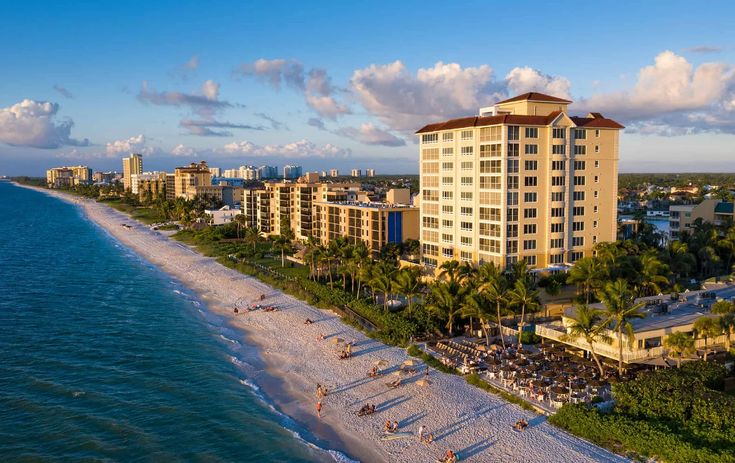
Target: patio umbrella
423	382
559	390
337	340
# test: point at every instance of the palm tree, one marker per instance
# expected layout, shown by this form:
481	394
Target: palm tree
653	274
475	306
360	256
252	237
240	220
681	261
382	281
588	272
679	345
707	327
408	282
589	324
526	298
727	323
620	309
451	270
445	300
283	245
496	291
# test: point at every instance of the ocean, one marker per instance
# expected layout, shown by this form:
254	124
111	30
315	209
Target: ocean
105	358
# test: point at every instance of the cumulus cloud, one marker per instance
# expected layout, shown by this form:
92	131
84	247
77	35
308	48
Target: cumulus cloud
32	123
368	134
207	128
671	96
205	102
182	150
404	101
63	91
134	144
526	79
298	149
275	124
316	85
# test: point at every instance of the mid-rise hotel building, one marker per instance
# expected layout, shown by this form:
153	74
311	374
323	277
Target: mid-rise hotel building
523	180
132	165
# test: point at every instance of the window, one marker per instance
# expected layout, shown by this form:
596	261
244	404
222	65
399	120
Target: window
466	211
594	209
448	136
513	150
530	260
556	259
577	226
447	180
466	165
490	151
531	165
513	132
511	247
430	154
557	181
594	224
597	133
512	198
531	132
556	243
429	235
531	149
529	244
430	138
446	238
578	195
512	214
466	181
491	133
512	230
431	249
448	252
596	194
597	163
575	256
580	150
530	181
431	222
530	197
557	196
465	196
465	241
488	197
558	132
430	195
597	148
447	223
578	210
430	168
447	209
558	165
447	195
491	167
579	180
558	149
490	229
466	150
430	209
512	182
490	213
577	241
557	228
465	256
447	151
597	179
465	226
492	183
447	166
594	239
579	165
466	135
530	213
513	166
529	229
489	245
557	212
580	134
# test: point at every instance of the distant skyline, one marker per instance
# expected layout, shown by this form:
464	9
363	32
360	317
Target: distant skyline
327	85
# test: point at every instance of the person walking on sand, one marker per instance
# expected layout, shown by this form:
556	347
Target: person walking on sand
319	409
421	433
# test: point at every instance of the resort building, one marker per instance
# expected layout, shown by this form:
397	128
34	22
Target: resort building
149	185
523	180
370	172
170	187
215	171
68	176
333	173
227	195
105	177
192	175
662	316
133	164
291	172
221	216
356	173
681	217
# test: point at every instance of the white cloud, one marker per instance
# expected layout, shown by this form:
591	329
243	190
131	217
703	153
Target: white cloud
525	79
181	150
135	144
368	134
275	72
205	103
298	149
206	128
32	123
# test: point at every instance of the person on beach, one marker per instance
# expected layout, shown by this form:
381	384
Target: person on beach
430	438
236	311
394	428
421	433
308	321
427	371
449	457
387	426
319	391
319	409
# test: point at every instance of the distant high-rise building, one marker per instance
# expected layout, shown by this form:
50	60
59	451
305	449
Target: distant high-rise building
356	173
68	176
232	173
215	171
292	172
370	172
192	175
267	172
133	164
333	173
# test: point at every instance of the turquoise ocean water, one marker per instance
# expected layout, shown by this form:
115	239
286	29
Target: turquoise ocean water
105	358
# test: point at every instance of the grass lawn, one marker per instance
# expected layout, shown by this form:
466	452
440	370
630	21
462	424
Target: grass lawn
146	215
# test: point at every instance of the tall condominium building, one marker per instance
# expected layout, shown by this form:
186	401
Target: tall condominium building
267	172
523	180
370	172
133	164
292	172
68	176
192	175
356	173
333	172
215	171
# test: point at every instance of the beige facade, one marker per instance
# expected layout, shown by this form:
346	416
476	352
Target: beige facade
148	185
68	176
133	164
681	217
192	175
227	195
523	180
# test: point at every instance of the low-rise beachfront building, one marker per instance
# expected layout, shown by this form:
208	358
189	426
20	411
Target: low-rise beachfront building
148	185
66	176
227	195
192	175
221	216
662	317
682	216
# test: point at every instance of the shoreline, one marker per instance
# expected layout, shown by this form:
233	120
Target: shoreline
463	418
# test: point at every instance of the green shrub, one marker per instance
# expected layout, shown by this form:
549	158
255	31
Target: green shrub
529	337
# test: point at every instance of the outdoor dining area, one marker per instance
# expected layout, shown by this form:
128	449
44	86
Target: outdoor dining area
548	376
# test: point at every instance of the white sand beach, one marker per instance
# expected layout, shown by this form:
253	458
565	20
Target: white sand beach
461	417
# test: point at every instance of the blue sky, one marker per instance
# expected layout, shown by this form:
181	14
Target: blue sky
345	84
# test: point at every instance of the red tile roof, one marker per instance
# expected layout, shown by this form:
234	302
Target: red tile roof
478	121
535	96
